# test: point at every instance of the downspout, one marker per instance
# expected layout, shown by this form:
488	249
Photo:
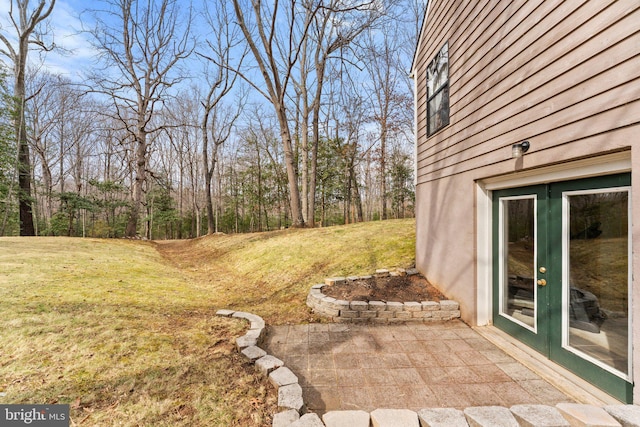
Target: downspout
415	130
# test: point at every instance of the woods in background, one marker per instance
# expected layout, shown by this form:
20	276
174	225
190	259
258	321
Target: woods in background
208	117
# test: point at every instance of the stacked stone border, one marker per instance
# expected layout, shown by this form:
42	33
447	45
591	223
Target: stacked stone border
341	311
290	402
292	409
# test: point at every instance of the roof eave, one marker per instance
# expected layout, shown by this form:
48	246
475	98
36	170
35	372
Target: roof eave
419	42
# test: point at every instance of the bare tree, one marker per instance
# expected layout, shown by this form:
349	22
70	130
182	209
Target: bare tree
274	33
59	122
42	121
141	44
185	147
218	119
299	35
390	103
333	28
216	128
25	23
349	114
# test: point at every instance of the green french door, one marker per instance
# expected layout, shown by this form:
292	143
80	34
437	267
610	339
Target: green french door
562	278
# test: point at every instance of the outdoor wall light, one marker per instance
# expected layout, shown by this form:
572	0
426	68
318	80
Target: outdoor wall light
518	150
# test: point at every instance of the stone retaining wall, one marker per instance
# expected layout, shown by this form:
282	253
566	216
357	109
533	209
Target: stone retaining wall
379	311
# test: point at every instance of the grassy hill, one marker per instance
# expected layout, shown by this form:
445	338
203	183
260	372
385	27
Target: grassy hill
270	273
125	331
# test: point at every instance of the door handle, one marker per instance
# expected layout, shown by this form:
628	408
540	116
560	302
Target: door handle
542	282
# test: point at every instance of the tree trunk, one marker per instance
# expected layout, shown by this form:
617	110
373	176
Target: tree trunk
383	168
138	184
297	220
315	139
313	179
24	157
180	197
259	165
211	226
47	183
304	160
356	195
208	172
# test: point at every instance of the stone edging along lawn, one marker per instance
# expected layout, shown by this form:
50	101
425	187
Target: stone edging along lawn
290	400
341	311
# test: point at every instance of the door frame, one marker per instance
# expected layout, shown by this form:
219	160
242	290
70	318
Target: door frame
614	163
602	165
535	336
608	379
550	248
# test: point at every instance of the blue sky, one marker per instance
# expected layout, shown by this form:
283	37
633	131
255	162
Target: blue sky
77	56
66	21
65	27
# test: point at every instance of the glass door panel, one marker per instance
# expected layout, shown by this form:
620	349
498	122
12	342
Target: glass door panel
518	293
597	277
519	242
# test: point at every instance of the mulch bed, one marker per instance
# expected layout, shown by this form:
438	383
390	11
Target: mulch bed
392	288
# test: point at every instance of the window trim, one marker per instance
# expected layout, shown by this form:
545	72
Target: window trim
443	88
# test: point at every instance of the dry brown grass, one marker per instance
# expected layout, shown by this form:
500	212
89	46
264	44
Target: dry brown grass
270	273
127	335
109	328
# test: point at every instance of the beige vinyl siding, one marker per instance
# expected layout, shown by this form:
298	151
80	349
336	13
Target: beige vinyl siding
553	72
444	13
564	75
524	88
453	24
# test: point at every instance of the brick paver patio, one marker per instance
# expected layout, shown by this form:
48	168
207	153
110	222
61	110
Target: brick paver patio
409	366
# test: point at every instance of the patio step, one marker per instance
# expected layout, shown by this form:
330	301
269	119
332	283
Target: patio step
562	415
490	416
442	417
394	418
538	415
346	418
580	415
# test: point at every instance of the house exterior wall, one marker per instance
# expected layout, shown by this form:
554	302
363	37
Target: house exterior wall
564	75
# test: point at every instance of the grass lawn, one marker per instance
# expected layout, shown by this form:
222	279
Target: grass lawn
125	332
